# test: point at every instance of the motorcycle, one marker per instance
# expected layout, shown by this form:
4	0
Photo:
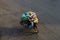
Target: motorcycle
29	27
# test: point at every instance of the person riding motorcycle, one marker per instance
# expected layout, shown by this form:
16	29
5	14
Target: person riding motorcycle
33	16
28	17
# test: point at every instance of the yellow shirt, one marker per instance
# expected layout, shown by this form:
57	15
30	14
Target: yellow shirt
36	20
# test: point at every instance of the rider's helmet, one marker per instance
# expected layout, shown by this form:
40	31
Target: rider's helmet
30	12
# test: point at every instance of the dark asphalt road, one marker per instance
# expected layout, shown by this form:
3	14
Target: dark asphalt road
48	12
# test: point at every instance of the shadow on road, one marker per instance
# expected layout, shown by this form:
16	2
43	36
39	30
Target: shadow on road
13	32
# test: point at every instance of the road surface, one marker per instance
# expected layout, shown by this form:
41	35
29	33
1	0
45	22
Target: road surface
48	12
